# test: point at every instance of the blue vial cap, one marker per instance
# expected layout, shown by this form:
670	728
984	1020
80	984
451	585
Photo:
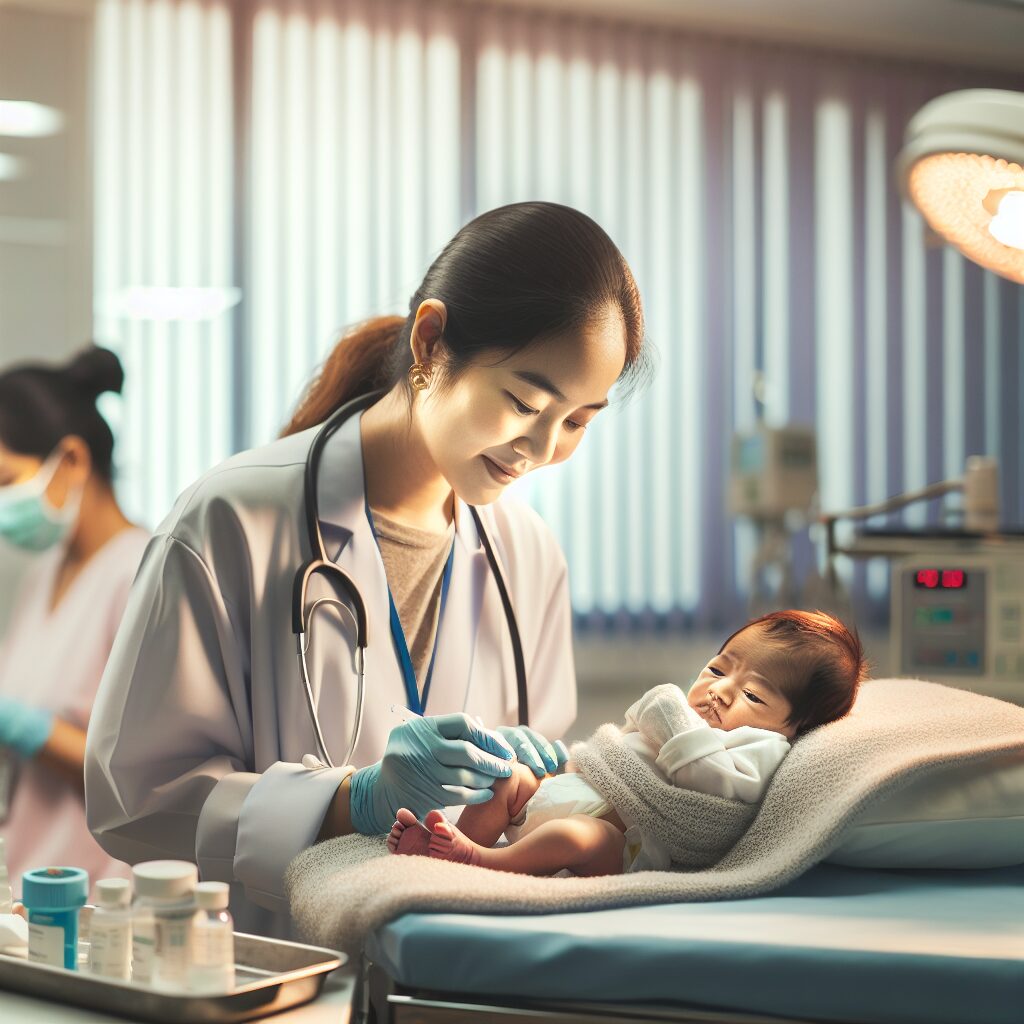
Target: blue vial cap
54	888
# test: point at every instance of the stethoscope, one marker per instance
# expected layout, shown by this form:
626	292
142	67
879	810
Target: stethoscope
320	563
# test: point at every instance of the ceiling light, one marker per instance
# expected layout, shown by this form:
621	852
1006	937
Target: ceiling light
962	166
29	120
175	303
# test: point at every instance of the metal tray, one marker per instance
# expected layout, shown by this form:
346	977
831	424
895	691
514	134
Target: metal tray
270	976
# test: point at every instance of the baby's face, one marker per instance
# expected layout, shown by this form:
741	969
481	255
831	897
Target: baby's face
736	687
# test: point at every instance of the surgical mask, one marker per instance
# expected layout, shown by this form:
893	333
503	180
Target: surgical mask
28	520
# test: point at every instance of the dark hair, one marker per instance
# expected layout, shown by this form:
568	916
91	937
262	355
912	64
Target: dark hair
40	404
511	277
827	664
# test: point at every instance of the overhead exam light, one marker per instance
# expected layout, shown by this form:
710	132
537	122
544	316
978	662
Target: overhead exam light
961	166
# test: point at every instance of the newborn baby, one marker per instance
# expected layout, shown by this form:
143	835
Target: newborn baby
772	680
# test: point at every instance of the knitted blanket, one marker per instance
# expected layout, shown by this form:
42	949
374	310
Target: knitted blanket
898	731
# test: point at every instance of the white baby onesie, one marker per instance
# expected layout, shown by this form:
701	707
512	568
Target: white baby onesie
671	736
680	746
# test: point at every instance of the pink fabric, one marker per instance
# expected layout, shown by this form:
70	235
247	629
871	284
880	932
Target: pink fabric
55	660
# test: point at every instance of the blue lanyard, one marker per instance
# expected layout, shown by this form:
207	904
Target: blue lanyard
413	699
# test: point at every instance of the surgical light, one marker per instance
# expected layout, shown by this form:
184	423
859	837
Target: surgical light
28	120
961	166
1007	226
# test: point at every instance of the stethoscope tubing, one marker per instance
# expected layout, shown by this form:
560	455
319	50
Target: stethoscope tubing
318	562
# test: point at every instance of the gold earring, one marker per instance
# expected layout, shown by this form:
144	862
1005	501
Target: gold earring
419	376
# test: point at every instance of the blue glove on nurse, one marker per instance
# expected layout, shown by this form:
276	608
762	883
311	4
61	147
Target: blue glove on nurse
533	750
428	763
23	728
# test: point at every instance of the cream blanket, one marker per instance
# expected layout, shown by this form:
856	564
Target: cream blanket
898	731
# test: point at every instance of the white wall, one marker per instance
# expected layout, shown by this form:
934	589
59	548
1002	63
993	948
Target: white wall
46	216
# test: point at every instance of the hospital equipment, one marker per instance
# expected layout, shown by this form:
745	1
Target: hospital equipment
320	564
961	165
161	921
110	930
212	968
774	470
53	898
773	482
837	944
271	976
13	936
956	594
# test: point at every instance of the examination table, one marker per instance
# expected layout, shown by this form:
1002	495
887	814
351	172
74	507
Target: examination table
838	944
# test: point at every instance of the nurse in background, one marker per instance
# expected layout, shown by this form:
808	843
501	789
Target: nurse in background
56	500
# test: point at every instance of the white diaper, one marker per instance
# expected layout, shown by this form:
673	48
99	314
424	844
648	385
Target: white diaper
557	797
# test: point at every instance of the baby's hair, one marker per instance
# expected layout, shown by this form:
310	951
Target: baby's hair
827	671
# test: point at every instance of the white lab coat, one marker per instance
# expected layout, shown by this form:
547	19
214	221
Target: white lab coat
200	725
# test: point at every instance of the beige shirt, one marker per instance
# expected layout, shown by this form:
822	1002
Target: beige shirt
414	562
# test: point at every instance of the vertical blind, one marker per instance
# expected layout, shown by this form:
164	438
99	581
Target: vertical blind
164	187
750	188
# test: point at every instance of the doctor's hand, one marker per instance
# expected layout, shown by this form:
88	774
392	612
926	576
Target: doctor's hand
533	750
428	763
23	728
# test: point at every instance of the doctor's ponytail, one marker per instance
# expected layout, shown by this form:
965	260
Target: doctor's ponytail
512	277
358	363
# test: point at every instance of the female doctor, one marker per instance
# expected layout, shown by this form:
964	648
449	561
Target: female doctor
198	746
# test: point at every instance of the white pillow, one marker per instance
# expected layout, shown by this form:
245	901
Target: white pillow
964	816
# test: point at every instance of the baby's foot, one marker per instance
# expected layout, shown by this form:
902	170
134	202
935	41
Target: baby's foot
448	843
408	835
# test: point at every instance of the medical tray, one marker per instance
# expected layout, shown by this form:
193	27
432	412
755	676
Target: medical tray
270	976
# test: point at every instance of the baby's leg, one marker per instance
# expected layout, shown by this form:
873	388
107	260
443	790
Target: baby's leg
586	846
482	823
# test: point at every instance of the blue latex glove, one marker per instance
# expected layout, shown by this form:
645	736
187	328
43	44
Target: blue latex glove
23	728
428	763
533	750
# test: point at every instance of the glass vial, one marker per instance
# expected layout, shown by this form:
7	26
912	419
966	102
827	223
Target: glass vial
110	930
213	941
162	922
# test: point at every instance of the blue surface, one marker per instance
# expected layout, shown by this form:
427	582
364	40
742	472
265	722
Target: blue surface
901	947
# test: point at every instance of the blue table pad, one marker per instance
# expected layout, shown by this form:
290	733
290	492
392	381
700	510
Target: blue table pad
900	947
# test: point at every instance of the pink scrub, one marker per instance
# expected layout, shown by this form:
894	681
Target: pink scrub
55	659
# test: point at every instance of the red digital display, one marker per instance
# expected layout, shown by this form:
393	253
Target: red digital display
944	579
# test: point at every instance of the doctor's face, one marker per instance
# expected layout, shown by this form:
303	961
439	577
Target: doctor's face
498	420
745	684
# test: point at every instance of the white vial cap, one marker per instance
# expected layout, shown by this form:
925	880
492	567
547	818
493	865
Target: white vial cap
165	879
212	895
113	892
